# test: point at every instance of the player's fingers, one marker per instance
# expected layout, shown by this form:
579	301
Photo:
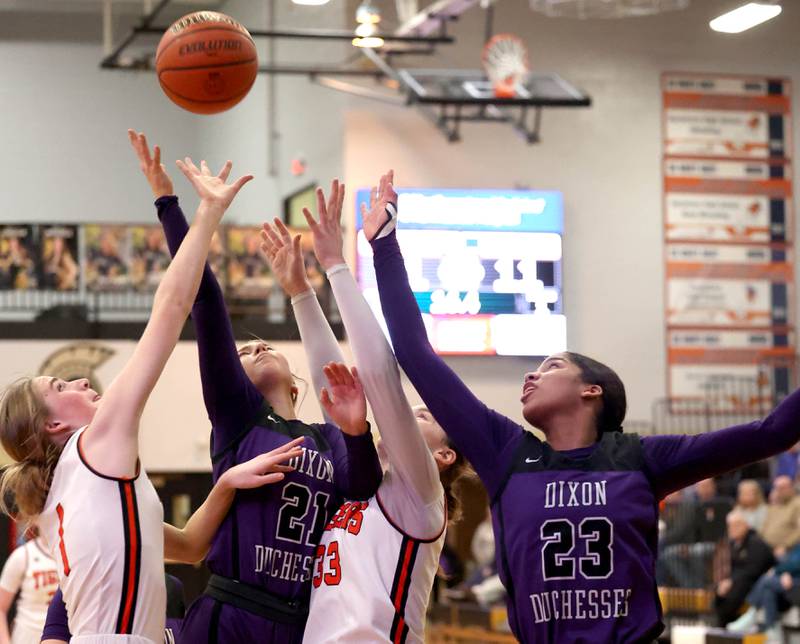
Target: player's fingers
226	171
333	198
277	242
331	374
237	186
204	169
373	197
321	204
292	444
282	468
186	170
145	148
345	375
190	164
157	156
284	231
275	477
267	252
312	223
296	245
341	200
325	399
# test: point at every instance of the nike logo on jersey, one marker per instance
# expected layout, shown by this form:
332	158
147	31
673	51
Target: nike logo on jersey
533	460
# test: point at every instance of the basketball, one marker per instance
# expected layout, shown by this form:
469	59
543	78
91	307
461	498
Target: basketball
206	62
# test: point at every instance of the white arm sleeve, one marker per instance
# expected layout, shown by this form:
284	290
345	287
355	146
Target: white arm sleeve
410	459
317	338
14	571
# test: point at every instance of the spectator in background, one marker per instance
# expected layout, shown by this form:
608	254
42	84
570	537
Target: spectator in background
786	464
750	503
689	547
781	529
772	593
750	557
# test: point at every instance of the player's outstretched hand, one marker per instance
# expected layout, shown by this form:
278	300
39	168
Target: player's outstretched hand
213	189
343	399
285	256
327	231
266	468
380	218
152	168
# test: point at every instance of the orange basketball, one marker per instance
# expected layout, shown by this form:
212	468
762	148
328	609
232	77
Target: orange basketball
206	62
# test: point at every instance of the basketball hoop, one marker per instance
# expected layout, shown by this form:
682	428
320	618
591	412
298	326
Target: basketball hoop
505	60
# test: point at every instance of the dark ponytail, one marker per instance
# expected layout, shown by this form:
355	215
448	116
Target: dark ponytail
614	402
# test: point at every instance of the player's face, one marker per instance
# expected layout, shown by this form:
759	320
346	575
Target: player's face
556	386
265	366
72	404
434	437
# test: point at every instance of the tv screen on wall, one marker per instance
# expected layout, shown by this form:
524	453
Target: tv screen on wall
484	265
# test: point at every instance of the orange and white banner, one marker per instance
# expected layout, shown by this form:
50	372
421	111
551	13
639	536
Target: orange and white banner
728	232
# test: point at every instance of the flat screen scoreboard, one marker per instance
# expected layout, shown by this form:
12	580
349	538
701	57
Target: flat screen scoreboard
484	265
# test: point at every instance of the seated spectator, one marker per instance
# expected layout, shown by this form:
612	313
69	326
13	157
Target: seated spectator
786	464
750	503
781	529
750	558
689	549
771	594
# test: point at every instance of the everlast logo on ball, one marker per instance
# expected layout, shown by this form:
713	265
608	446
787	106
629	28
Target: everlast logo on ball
210	47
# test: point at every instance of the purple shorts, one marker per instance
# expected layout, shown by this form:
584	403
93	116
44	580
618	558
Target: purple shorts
233	625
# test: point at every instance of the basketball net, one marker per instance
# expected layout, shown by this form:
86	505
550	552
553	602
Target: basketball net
505	60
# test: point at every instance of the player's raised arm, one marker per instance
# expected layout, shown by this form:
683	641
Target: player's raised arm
230	397
405	447
285	257
112	437
191	543
674	462
486	438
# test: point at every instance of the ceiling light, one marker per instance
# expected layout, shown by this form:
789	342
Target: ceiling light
367	13
311	2
745	17
372	42
365	30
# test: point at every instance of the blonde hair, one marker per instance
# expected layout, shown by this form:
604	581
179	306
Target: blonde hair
450	478
25	483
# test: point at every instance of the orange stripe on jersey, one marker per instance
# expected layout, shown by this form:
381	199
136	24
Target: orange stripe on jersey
400	588
133	555
61	546
401	582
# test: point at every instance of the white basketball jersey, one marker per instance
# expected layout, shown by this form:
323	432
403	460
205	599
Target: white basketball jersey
372	582
30	571
107	537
